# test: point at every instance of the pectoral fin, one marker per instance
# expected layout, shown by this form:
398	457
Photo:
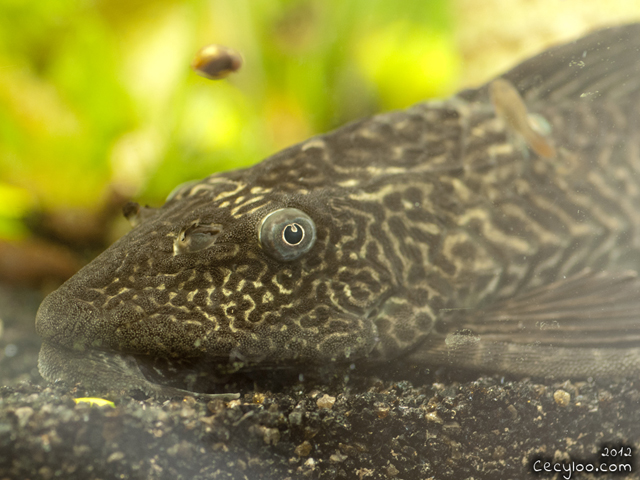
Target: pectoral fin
584	325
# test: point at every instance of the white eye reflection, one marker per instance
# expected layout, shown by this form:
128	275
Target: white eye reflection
292	234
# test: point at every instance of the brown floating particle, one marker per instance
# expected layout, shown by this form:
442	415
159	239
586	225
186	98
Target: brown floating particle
216	62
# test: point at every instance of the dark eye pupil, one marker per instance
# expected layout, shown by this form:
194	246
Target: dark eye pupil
292	234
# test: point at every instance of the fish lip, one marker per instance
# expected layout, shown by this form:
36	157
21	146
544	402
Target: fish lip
64	320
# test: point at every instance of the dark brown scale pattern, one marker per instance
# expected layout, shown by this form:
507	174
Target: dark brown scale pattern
431	228
418	212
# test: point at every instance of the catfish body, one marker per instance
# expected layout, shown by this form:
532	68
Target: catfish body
424	234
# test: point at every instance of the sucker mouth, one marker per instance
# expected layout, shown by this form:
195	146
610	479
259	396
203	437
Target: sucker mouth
204	375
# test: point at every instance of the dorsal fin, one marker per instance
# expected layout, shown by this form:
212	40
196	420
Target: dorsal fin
605	64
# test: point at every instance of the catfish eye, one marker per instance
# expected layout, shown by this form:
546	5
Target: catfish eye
287	234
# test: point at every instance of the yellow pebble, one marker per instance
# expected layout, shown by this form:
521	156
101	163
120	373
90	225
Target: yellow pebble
100	402
561	397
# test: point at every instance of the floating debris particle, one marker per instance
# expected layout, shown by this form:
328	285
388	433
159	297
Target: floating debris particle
216	62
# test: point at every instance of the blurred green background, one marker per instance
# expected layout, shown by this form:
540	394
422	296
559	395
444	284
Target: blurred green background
97	97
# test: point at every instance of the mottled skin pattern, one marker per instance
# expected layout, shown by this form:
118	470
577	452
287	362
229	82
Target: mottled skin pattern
429	221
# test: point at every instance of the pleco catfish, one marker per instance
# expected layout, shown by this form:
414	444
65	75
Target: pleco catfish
451	233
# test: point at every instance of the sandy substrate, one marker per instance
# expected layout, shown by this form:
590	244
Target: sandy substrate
401	423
